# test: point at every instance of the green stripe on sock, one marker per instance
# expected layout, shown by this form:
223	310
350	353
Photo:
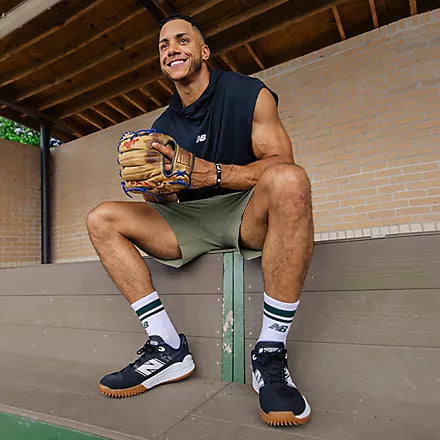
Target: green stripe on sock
149	307
152	313
279	312
276	318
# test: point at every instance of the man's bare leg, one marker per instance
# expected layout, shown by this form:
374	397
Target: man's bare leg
114	229
278	219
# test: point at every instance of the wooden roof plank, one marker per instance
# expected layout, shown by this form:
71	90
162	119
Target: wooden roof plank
130	43
307	9
254	56
104	28
110	112
134	102
374	13
110	90
119	109
106	55
104	115
38	115
204	6
247	14
23	13
90	120
71	12
165	86
265	6
149	94
153	9
27	121
338	22
229	62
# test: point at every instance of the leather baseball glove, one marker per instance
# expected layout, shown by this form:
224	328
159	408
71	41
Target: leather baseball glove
146	170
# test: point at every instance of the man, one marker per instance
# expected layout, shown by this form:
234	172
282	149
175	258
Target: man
247	193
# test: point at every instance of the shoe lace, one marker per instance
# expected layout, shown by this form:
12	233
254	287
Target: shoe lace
273	365
145	350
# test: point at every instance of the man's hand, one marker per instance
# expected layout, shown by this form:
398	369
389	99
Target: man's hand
203	174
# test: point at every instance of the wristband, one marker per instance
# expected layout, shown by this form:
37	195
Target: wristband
218	170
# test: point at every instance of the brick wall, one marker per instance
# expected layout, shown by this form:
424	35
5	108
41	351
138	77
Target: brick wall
364	119
20	214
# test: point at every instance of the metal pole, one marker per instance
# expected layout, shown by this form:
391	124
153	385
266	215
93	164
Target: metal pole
45	191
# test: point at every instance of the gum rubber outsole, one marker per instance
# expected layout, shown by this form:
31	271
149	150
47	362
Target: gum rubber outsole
138	389
282	418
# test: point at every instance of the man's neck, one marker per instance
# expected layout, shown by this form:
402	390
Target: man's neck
191	89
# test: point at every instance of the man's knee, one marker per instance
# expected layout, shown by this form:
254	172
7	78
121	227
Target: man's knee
100	217
287	182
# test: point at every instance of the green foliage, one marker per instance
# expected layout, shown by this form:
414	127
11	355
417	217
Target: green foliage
14	131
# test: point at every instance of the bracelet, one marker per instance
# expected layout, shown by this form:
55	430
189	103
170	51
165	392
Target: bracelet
218	170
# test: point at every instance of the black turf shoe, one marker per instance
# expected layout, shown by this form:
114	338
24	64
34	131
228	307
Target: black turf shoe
281	403
158	363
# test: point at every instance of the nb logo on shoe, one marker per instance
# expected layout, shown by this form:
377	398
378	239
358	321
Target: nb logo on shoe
279	328
201	138
150	366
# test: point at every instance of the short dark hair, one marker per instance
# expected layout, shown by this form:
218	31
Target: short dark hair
186	18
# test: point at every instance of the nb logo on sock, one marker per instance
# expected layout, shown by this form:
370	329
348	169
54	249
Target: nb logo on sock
145	324
279	328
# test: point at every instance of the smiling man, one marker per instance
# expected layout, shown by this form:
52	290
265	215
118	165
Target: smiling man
246	192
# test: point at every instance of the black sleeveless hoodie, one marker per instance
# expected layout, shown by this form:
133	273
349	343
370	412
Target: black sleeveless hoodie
218	126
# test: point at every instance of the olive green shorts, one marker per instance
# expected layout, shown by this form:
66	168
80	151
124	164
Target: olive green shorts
205	225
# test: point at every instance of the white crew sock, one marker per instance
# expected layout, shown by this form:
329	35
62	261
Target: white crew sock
277	319
155	320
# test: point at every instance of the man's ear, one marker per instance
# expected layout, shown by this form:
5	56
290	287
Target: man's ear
206	53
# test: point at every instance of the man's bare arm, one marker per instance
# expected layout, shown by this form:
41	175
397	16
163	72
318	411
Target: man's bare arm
270	143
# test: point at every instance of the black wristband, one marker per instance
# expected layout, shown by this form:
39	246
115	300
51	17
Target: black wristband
218	170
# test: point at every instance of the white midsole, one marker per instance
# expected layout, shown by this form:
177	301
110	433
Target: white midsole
307	409
173	372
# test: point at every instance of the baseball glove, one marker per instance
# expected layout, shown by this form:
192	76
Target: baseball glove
146	170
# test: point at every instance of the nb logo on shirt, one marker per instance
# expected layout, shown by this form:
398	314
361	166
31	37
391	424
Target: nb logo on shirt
201	138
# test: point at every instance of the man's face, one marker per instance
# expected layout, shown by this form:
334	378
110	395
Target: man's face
181	50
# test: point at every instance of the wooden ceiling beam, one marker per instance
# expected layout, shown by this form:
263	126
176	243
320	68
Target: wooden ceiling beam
247	14
109	91
119	109
149	94
374	13
70	12
102	29
134	102
22	14
413	7
35	125
307	9
164	7
61	125
205	6
229	62
126	68
110	112
254	56
90	120
153	9
165	86
104	115
338	22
